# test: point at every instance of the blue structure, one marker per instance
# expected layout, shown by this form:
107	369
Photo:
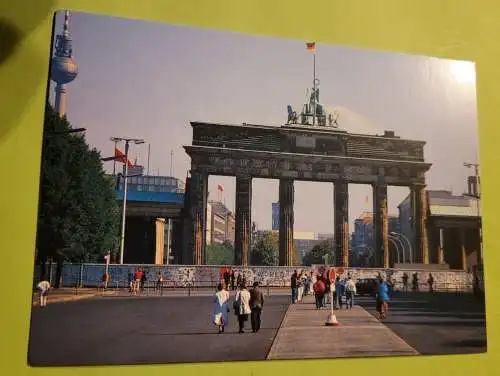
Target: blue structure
152	197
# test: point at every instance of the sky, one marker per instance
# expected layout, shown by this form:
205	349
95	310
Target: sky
150	80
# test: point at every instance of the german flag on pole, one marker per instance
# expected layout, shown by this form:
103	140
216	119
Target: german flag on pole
311	46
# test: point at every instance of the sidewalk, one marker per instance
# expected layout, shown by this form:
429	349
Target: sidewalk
303	335
65	295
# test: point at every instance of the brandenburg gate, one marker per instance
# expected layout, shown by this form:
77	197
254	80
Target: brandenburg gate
308	153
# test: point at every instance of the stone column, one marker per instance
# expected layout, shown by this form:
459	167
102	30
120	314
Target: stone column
198	196
381	224
341	218
160	241
243	219
463	251
440	250
286	196
420	212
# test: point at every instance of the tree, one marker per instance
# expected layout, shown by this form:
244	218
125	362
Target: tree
266	250
317	253
78	217
220	254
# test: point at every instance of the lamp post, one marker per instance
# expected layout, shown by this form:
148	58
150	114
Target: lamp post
407	241
477	196
396	241
125	182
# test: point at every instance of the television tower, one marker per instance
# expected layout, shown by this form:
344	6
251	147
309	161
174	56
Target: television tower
63	68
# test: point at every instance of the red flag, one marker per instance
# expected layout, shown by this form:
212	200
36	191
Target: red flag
220	187
311	46
120	157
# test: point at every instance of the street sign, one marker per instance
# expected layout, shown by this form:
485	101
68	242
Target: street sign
332	275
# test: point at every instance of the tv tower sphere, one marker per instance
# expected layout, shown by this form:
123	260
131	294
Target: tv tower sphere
63	69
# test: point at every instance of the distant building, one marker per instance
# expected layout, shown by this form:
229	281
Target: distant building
220	223
150	183
453	228
363	237
363	231
275	216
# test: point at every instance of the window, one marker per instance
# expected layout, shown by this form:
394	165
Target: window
139	188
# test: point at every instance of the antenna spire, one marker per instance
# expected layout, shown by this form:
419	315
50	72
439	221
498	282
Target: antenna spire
66	21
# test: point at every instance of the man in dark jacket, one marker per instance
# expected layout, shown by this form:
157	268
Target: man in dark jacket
256	304
293	285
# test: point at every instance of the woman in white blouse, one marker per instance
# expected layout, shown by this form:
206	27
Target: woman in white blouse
242	306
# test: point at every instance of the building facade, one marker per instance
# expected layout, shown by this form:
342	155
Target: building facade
153	232
220	223
453	227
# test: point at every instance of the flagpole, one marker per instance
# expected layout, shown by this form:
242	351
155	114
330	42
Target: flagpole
171	162
149	153
314	85
114	160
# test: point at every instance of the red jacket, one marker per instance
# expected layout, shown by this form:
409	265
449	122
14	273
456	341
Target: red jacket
319	287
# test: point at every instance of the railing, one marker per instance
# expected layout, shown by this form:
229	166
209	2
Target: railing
455	287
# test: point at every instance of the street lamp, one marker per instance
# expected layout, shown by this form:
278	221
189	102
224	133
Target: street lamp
407	241
396	241
72	130
477	196
125	181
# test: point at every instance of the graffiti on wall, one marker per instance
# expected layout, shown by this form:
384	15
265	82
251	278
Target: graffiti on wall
273	276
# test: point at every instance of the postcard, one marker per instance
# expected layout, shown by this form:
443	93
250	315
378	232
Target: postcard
209	196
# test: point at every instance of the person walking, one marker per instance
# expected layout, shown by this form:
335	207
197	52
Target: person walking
350	292
221	307
232	280
430	281
43	288
319	292
300	286
308	284
415	282
405	282
382	298
137	281
293	286
159	283
227	278
339	293
256	305
241	306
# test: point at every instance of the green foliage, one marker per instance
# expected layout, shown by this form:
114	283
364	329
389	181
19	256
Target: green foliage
317	253
265	251
220	254
78	217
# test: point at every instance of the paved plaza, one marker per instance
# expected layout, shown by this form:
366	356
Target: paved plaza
116	328
437	323
140	330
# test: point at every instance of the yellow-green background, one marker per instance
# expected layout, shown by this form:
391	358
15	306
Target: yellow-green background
444	28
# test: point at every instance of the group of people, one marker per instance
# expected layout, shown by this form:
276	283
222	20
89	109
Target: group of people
247	303
342	291
136	281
